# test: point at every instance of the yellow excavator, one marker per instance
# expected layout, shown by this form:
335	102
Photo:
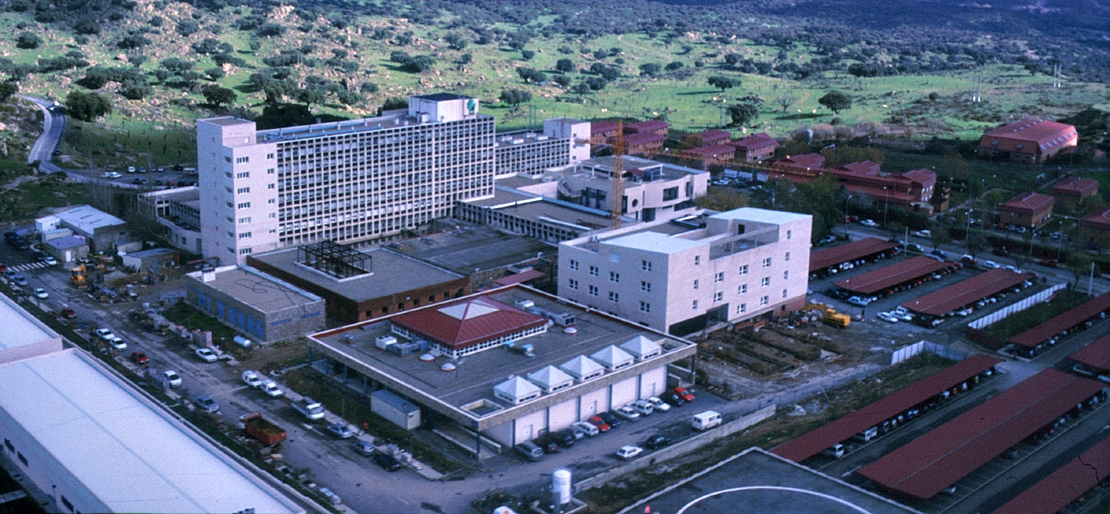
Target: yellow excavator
77	276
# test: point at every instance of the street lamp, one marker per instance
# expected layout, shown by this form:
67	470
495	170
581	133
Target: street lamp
886	203
846	218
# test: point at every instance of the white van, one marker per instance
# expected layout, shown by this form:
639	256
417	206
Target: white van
867	435
706	420
835	451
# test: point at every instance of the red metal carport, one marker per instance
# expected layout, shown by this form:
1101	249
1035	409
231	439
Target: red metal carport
1095	356
945	455
814	442
1065	485
889	276
838	255
938	303
1062	322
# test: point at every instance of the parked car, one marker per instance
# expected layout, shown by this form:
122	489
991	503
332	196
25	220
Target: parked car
68	313
656	442
658	404
529	451
1001	252
584	428
643	407
207	404
990	265
628	413
926	233
271	388
364	447
206	355
564	437
547	442
41	293
902	313
601	425
629	452
826	240
386	461
172	378
673	400
610	418
683	393
339	430
1050	263
251	378
869	223
888	317
49	260
118	344
138	357
858	301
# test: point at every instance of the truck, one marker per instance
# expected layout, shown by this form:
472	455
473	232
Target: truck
265	432
310	408
706	420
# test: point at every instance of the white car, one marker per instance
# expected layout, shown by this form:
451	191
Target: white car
584	428
629	452
110	174
869	223
119	344
206	355
902	313
659	404
271	388
49	260
627	413
41	293
251	378
923	233
643	407
990	265
172	378
888	317
105	334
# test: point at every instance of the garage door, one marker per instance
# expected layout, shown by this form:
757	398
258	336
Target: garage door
653	382
624	392
561	415
529	426
594	402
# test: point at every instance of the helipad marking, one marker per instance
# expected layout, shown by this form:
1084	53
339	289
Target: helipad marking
845	503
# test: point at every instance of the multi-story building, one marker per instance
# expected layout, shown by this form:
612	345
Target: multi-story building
1027	209
755	147
177	211
1029	140
351	181
680	277
652	190
1071	191
563	141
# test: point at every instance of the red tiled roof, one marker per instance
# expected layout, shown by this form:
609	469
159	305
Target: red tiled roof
760	140
643	139
808	160
1029	203
1063	486
848	252
646	125
1076	186
892	275
468	322
1097	219
1063	321
940	302
713	135
1095	356
860	168
897	197
712	151
599	127
924	177
1048	135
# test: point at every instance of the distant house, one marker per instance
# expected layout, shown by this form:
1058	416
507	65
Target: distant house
755	147
601	131
805	167
1027	209
710	154
647	127
707	138
1029	140
909	191
642	144
1071	191
1096	226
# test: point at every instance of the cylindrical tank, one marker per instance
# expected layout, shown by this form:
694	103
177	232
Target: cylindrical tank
560	484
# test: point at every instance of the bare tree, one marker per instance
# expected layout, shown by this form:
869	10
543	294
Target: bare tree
785	101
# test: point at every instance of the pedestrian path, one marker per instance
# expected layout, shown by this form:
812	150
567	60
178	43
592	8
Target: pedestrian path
28	266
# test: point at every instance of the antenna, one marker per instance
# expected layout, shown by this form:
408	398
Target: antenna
617	194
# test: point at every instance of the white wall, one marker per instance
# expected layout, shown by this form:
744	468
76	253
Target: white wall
625	392
593	403
528	427
653	382
561	415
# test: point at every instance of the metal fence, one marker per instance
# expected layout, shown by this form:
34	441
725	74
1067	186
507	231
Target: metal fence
926	346
1026	303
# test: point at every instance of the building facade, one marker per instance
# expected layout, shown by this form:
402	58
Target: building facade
1029	140
755	147
652	190
178	212
1027	209
739	265
254	303
350	182
563	141
1071	191
100	229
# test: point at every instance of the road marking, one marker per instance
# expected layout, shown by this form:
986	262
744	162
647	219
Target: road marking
850	471
845	503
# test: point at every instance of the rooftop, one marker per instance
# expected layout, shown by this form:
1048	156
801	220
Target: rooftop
256	289
1095	356
604	165
389	120
467	248
848	252
1032	129
20	328
87	218
1098	218
1070	482
130	454
891	275
391	273
468	322
1028	202
1062	322
754	141
1076	186
942	301
64	243
548	210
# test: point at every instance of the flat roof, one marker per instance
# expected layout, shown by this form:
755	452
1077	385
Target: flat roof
449	392
655	242
1063	321
1065	485
950	452
892	275
771	217
474	247
63	243
129	454
764	482
392	273
20	328
940	302
88	218
226	121
1095	356
816	441
548	210
257	289
848	252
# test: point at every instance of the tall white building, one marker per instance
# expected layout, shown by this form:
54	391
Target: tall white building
564	141
679	277
349	181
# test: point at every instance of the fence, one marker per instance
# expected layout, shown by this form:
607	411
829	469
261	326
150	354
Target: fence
926	346
1026	303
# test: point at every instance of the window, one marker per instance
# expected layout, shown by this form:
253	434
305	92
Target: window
245	174
593	271
786	275
227	188
614	297
245	205
718	296
742	308
645	286
645	307
272	200
231	234
695	283
244	235
671	193
697	260
227	159
227	174
271	186
767	262
22	458
720	277
8	443
788	234
744	269
245	220
269	171
645	265
765	282
695	305
573	265
764	301
245	251
787	256
784	293
743	289
614	277
573	284
269	156
243	190
241	160
593	290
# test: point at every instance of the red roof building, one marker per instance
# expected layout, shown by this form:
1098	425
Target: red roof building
808	165
755	147
709	154
642	144
910	190
1027	209
1096	226
1029	140
707	138
1071	191
468	326
1065	485
647	127
601	131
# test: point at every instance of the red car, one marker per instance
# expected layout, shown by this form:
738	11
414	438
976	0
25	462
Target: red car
68	313
1051	263
601	425
3	267
139	357
684	394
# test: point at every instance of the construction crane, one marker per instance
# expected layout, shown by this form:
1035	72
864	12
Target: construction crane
617	194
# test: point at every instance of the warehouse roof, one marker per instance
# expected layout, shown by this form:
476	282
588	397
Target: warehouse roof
22	329
87	219
129	454
1095	356
815	441
1063	486
848	252
1062	322
257	289
940	302
892	275
950	452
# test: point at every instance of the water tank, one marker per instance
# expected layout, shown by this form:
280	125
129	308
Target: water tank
242	341
560	485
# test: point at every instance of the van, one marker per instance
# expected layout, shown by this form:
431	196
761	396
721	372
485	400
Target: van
835	451
867	435
529	451
706	420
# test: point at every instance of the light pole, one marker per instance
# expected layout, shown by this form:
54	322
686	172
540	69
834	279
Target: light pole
886	203
846	218
967	233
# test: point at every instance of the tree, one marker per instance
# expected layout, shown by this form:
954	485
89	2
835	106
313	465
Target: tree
456	41
346	97
392	104
531	75
649	69
722	199
723	83
835	101
940	236
27	41
7	89
674	66
743	114
564	66
419	64
527	54
953	166
976	243
217	95
1079	264
399	57
785	101
515	96
211	46
309	96
216	73
87	26
135	89
87	106
562	80
187	27
368	88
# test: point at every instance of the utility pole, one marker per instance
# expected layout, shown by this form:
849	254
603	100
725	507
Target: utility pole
1091	282
617	191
